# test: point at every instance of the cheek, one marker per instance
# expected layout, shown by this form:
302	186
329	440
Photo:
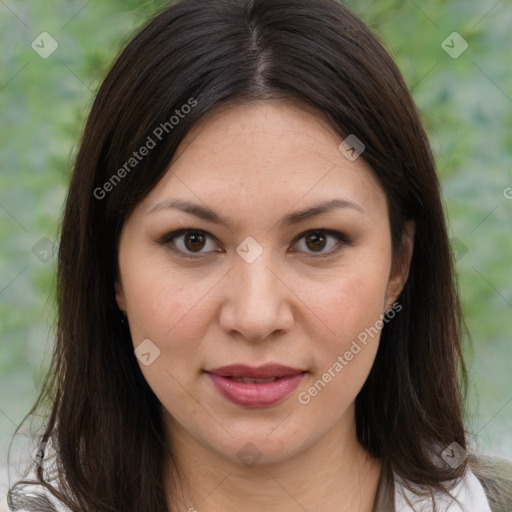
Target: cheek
350	308
166	305
173	311
349	303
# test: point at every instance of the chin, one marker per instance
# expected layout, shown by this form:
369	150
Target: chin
260	448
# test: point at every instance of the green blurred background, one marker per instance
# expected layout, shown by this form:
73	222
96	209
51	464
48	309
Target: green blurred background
466	104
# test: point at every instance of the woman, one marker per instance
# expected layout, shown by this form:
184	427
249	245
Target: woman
256	299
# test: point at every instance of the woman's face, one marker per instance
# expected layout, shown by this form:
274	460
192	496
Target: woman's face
281	279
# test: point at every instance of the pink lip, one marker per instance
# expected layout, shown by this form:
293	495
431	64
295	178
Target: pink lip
254	394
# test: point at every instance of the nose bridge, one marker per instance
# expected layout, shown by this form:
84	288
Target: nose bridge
255	281
257	303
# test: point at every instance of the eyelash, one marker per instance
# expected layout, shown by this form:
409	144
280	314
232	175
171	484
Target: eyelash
170	237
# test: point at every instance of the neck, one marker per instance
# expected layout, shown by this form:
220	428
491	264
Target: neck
335	474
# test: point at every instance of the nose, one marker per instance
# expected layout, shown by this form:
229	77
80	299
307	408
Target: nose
258	301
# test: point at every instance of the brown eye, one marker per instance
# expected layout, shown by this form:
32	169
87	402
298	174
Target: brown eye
316	241
323	242
190	242
194	241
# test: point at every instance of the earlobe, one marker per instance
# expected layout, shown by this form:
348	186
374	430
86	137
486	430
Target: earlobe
401	267
120	296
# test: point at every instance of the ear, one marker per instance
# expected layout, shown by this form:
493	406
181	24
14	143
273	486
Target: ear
120	299
400	267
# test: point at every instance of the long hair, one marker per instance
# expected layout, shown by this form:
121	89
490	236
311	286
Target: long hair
105	421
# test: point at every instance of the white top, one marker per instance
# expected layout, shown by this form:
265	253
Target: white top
468	496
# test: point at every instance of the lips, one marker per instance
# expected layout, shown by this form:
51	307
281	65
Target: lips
267	371
248	386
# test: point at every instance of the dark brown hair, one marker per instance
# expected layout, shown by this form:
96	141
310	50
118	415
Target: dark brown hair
105	422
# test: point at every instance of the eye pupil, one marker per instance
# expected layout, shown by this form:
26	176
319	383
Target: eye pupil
194	238
318	240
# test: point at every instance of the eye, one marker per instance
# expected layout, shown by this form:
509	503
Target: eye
187	241
319	239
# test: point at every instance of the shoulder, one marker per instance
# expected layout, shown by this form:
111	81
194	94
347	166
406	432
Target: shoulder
486	485
495	476
464	494
33	498
29	494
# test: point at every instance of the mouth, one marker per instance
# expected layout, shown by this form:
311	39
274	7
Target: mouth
263	386
248	380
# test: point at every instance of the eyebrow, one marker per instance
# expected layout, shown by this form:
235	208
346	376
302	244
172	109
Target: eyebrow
203	212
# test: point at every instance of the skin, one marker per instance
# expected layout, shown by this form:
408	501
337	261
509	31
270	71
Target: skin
253	163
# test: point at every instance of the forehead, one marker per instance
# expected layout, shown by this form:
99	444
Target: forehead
268	154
